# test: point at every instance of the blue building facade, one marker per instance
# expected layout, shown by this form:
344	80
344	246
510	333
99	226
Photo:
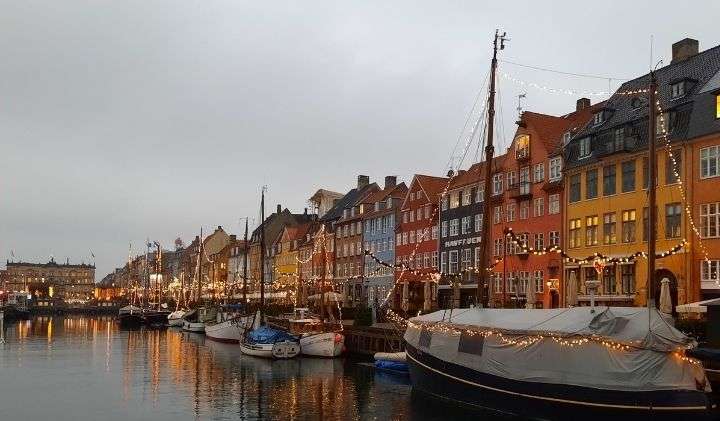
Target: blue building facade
379	220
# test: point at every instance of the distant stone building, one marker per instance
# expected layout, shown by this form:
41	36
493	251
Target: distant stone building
51	280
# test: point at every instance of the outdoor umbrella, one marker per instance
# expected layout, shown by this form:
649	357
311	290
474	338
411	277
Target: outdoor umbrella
665	300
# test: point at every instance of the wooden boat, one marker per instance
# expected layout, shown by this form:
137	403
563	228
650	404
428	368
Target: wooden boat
229	325
193	321
175	319
130	316
267	342
317	338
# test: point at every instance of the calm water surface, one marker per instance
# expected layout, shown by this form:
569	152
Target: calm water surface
78	368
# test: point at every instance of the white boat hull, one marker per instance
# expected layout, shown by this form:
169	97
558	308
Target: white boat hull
229	331
328	344
279	350
176	318
196	327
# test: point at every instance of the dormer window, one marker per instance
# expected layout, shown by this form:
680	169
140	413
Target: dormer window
584	146
598	117
636	103
389	203
377	206
566	138
677	89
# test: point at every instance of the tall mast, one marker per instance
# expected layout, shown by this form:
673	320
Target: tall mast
244	291
147	272
199	267
322	279
652	200
482	286
262	250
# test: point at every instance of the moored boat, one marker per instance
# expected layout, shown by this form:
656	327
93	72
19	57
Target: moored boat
130	316
317	338
175	319
229	325
267	342
598	362
193	321
155	317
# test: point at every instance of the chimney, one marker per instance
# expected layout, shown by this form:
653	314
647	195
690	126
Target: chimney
219	228
305	213
363	180
390	181
582	103
684	49
279	208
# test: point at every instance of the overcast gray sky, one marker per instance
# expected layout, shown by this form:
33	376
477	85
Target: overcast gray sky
121	120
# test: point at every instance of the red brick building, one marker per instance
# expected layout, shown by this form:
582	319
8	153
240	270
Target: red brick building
416	245
531	185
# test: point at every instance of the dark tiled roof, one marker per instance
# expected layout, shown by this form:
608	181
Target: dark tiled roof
350	199
693	114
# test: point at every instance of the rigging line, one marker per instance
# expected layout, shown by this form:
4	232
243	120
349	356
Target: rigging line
545	69
467	120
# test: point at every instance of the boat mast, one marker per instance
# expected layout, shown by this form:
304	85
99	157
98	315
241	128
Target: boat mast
482	296
322	279
262	252
199	267
244	288
158	273
652	183
147	273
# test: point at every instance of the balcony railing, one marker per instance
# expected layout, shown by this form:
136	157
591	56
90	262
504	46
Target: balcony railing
520	191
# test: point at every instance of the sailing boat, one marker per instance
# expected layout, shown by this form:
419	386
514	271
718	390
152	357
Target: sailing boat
130	315
593	362
175	318
262	340
230	324
194	320
318	337
159	315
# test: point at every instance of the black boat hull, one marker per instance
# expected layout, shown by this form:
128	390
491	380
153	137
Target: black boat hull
459	384
159	318
130	320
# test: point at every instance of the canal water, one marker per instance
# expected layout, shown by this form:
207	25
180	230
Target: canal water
79	368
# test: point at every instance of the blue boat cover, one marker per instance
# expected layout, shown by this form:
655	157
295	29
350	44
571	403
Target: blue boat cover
268	335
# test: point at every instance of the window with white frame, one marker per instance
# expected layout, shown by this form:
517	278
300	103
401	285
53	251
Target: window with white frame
454	227
454	199
467	196
498	247
434	259
555	168
524	209
539	206
453	261
480	194
427	211
443	262
478	222
497	184
497	215
511	178
411	216
405	238
498	281
539	172
465	227
412	237
539	241
554	239
510	212
584	146
434	232
444	202
443	232
710	161
554	204
466	260
709	270
418	214
710	220
539	281
398	239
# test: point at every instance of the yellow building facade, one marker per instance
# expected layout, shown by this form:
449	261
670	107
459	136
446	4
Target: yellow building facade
607	212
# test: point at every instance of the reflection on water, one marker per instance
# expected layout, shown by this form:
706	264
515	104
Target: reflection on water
78	368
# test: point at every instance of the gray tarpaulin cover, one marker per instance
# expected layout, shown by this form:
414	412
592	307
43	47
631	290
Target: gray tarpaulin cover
650	364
